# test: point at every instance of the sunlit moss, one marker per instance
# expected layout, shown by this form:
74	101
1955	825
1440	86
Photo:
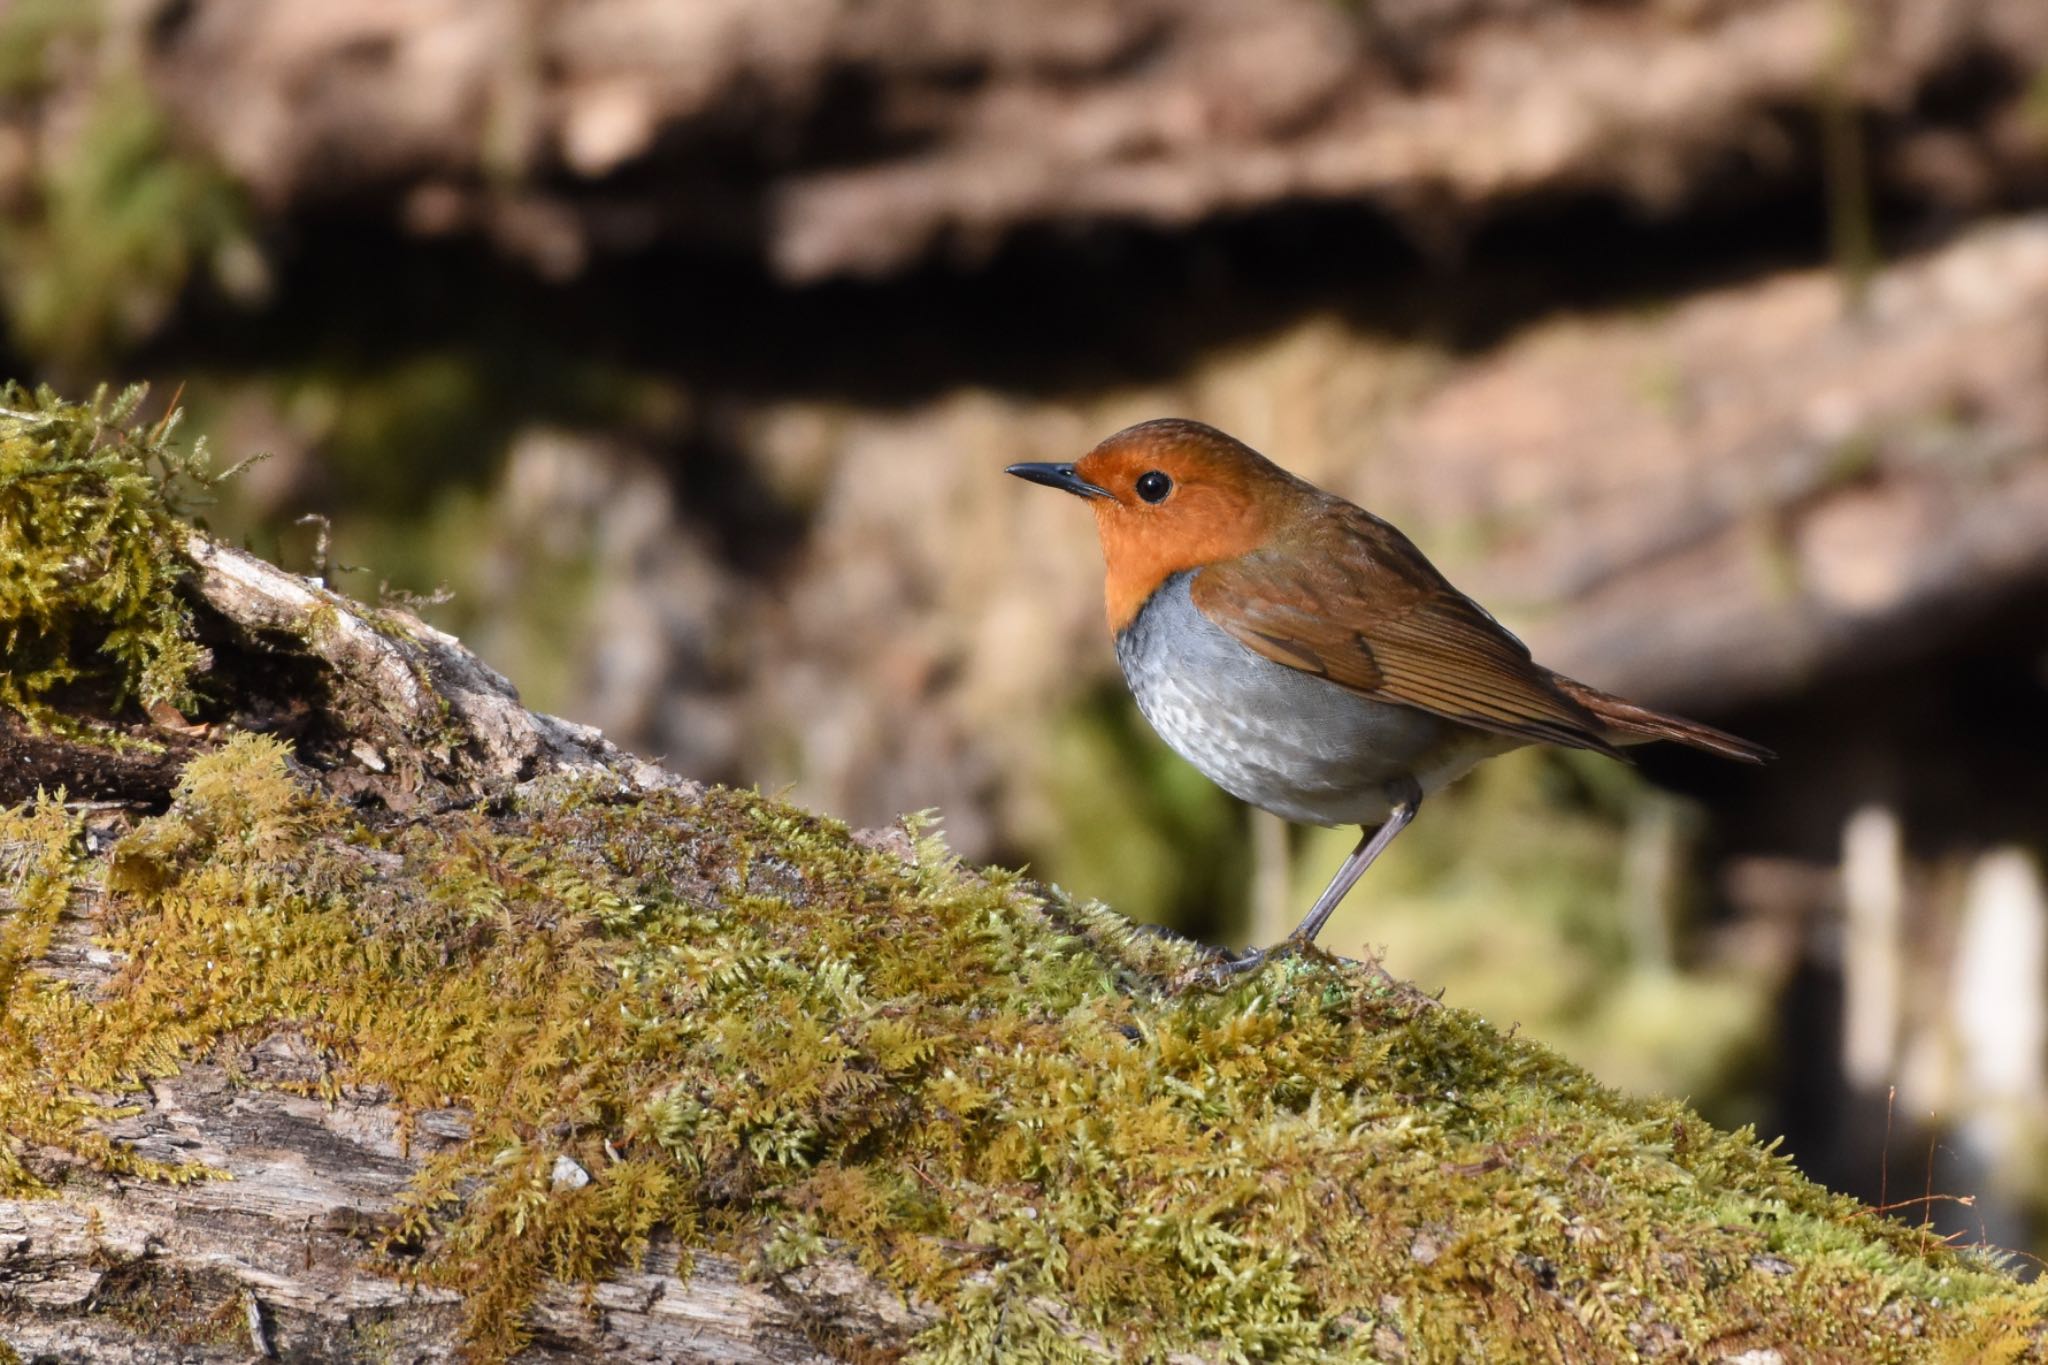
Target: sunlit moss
758	1034
47	1093
90	553
774	1040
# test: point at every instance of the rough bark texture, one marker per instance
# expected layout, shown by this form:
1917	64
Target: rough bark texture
278	1259
412	708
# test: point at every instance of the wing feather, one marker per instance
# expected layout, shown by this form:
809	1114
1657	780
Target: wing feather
1375	616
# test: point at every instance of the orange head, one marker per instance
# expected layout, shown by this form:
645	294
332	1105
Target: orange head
1171	495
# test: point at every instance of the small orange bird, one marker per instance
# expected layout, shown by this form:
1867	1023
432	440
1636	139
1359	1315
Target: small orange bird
1304	655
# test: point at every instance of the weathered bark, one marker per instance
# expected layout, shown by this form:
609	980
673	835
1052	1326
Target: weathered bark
278	1259
413	707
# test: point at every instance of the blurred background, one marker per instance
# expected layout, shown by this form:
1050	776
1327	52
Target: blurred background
683	344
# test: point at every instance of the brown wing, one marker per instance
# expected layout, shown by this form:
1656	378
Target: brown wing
1368	612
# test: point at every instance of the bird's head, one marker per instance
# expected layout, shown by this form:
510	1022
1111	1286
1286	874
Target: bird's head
1170	495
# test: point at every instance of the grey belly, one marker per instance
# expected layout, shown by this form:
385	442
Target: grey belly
1286	741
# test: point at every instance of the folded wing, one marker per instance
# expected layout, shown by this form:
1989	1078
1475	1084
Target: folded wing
1370	613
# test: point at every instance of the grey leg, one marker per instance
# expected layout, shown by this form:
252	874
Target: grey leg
1370	846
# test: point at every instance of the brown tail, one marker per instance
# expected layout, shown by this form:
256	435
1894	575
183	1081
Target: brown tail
1632	724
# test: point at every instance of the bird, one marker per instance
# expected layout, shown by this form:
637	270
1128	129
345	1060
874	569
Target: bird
1305	656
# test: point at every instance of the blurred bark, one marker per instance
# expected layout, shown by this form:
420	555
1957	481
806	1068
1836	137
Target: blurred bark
1717	505
845	136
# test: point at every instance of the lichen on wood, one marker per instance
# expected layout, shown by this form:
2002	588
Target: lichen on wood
536	1071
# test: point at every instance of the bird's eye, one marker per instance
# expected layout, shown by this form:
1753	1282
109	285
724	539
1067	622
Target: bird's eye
1153	486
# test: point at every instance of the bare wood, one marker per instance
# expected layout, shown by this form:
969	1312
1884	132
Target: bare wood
418	709
287	1240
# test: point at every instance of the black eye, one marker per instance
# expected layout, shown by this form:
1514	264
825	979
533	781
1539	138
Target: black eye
1153	486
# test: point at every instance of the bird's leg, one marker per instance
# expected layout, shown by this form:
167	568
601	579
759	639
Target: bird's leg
1370	846
1408	800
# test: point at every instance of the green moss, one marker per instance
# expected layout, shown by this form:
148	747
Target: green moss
774	1040
90	551
760	1035
46	1086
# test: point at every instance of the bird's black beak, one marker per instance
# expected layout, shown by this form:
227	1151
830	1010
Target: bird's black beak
1060	476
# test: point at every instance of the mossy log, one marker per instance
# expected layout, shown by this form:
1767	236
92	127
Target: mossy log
354	1013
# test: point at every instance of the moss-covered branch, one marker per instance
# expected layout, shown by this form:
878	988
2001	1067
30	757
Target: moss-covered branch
506	1043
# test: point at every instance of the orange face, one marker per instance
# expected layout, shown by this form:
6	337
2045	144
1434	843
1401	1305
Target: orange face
1168	496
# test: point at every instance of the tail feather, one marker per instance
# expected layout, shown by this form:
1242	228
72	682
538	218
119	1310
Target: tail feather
1628	723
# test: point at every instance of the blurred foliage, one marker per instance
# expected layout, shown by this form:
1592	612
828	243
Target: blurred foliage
396	427
33	31
1135	825
1545	832
114	228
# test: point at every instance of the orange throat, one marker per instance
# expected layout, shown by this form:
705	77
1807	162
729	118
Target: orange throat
1140	552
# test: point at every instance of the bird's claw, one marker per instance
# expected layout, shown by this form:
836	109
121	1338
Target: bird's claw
1245	963
1223	969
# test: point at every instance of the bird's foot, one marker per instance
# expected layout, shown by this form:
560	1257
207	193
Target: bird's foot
1224	969
1221	969
1248	961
